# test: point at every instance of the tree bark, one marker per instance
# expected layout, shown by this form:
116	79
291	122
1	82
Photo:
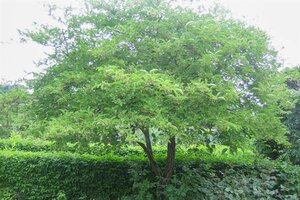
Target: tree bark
170	159
149	152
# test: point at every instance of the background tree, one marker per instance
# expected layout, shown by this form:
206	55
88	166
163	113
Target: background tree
290	117
13	101
121	70
292	120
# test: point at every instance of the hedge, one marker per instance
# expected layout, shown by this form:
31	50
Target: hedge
43	175
46	175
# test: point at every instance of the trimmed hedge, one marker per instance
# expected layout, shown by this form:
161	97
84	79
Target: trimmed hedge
42	175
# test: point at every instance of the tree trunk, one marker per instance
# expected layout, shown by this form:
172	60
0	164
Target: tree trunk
149	152
165	177
170	159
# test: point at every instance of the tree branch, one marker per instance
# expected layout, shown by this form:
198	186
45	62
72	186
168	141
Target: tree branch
149	152
147	138
155	168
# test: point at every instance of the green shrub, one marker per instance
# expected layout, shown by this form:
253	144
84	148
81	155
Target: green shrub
233	182
15	142
58	175
198	180
45	175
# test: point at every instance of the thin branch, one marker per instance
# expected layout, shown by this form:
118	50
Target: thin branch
146	133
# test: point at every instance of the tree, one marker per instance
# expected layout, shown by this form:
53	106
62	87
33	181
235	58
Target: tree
13	100
292	119
121	70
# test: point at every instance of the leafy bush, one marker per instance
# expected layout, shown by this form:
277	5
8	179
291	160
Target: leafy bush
270	148
17	143
232	182
60	175
198	180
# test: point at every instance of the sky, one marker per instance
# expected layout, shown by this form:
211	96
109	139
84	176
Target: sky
279	18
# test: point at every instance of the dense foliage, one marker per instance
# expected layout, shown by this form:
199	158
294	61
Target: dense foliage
147	72
73	176
168	80
13	102
292	120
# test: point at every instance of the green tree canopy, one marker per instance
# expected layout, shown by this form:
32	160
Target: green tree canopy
147	71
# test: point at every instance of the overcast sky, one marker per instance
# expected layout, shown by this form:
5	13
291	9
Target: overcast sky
279	18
